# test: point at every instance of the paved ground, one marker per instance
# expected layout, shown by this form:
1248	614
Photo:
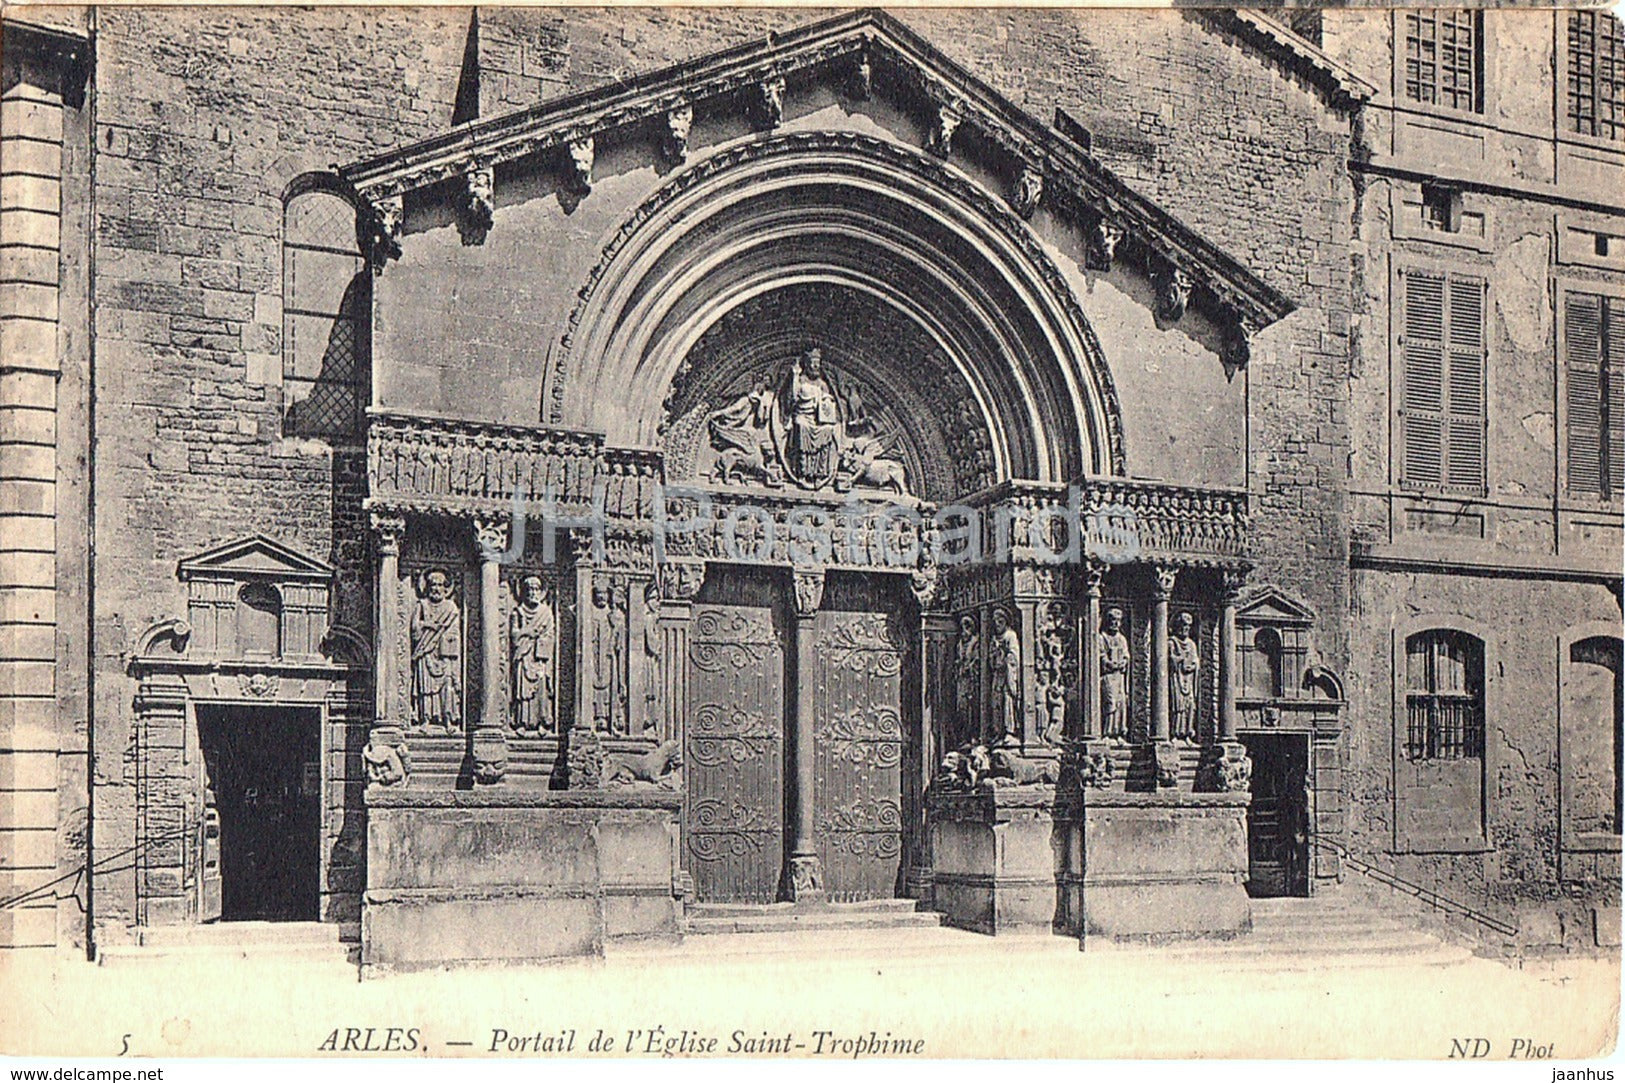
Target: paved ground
962	995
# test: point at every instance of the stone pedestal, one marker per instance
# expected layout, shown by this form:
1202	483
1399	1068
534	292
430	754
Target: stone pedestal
999	859
1164	864
514	876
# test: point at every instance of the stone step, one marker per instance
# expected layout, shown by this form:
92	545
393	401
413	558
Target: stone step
890	943
273	956
868	906
772	920
243	933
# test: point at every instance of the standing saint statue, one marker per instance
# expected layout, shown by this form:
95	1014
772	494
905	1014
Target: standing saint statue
1183	663
1114	663
812	446
437	655
652	646
1006	684
532	639
967	667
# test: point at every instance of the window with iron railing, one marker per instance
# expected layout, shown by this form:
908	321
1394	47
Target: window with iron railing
1444	696
1443	58
1596	75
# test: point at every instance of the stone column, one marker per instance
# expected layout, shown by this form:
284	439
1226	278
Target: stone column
1231	768
1165	751
385	756
487	741
1094	574
805	872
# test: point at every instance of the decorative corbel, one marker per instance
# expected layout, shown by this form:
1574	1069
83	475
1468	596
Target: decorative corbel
1237	349
478	204
674	143
1173	292
382	240
580	149
941	139
1103	241
1028	191
770	102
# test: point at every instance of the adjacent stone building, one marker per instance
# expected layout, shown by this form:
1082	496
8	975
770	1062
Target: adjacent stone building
502	480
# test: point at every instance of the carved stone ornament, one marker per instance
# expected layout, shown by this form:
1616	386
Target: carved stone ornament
1028	191
436	629
770	102
489	753
923	582
532	652
1237	348
1234	772
259	685
863	76
1184	665
660	766
810	427
1173	293
581	152
1096	770
1103	241
806	877
388	530
674	141
1166	577
585	760
386	758
1010	768
491	535
478	204
809	592
941	140
680	580
1165	759
382	240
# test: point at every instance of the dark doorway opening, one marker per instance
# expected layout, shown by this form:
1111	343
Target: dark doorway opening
1278	818
262	793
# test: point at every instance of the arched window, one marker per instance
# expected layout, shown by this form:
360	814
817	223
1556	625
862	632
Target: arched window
259	620
1594	716
326	317
1444	695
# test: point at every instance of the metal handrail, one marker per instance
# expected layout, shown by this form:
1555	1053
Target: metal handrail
1425	894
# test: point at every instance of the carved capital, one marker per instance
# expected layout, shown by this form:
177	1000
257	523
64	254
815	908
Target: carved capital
770	102
1028	191
680	581
381	234
1094	575
947	122
1173	292
581	150
478	204
674	141
1231	582
489	751
809	592
923	582
491	535
388	529
1103	241
1166	576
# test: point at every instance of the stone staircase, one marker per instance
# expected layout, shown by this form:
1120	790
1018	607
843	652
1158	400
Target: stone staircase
1134	768
1329	930
441	761
278	943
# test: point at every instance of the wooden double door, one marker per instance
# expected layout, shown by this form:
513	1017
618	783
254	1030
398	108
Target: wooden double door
746	658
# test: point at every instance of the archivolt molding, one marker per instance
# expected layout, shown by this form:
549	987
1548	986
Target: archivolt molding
1071	363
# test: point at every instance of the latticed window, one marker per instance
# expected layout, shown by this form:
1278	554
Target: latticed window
326	330
1596	75
1442	58
1444	696
1594	372
1442	401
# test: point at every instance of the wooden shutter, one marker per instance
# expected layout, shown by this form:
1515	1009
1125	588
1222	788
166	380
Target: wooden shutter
1422	402
1464	384
1613	401
1582	343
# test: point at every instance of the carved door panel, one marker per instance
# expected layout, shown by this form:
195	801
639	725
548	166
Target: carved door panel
733	843
858	741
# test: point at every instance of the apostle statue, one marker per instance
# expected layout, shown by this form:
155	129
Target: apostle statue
437	655
1006	684
967	667
532	639
1114	663
812	444
652	646
1183	662
607	654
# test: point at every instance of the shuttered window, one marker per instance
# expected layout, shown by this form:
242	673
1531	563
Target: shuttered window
1442	398
1594	362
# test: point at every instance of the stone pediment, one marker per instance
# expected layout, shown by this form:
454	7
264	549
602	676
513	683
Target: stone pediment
863	53
254	557
1270	605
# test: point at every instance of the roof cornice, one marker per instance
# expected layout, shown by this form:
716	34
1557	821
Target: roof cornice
872	43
